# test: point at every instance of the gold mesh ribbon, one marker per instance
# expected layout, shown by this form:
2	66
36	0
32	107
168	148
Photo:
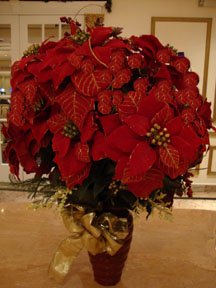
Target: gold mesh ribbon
105	233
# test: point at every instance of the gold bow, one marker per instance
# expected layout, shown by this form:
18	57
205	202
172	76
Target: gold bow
98	234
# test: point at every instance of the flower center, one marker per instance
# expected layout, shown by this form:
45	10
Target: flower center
158	136
80	37
70	130
115	186
39	105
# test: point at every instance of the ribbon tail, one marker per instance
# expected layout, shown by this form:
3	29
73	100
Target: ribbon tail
64	257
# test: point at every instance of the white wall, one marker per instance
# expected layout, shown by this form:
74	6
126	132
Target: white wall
135	15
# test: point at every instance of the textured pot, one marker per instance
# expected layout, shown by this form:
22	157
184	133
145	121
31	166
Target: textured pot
108	269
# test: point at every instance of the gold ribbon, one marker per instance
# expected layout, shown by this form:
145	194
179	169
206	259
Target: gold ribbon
98	234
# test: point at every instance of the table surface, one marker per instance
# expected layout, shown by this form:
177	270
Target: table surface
173	253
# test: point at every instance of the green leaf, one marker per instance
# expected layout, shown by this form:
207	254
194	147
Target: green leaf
126	199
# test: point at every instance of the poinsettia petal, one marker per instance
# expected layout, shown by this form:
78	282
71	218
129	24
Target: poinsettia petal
87	66
39	130
61	144
82	152
163	73
163	116
149	106
130	104
189	135
17	108
102	53
141	159
105	101
88	129
135	61
110	123
181	64
18	77
190	79
186	151
174	126
11	158
90	84
173	172
152	180
148	43
28	88
188	115
75	106
98	149
188	97
169	155
26	159
120	167
163	55
123	139
69	164
78	177
200	127
138	123
141	84
99	34
118	96
75	60
28	163
121	77
205	112
60	72
56	122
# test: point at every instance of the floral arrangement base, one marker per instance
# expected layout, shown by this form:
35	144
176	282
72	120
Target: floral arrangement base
108	269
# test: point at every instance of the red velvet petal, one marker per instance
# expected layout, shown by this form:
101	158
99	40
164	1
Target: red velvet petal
82	152
186	150
88	129
149	106
98	148
141	160
123	139
69	164
110	123
169	155
152	180
162	116
189	135
120	167
39	130
138	123
175	125
99	34
60	144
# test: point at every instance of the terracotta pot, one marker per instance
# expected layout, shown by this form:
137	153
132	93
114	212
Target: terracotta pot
108	269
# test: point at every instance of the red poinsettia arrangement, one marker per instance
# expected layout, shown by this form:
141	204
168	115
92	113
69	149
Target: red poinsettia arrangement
115	120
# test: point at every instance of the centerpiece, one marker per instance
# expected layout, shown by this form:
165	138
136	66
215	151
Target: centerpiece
110	126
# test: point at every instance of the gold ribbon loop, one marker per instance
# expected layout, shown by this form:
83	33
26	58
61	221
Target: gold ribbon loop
105	233
87	220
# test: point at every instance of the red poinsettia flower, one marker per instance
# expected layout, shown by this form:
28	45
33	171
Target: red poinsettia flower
153	137
72	128
24	147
